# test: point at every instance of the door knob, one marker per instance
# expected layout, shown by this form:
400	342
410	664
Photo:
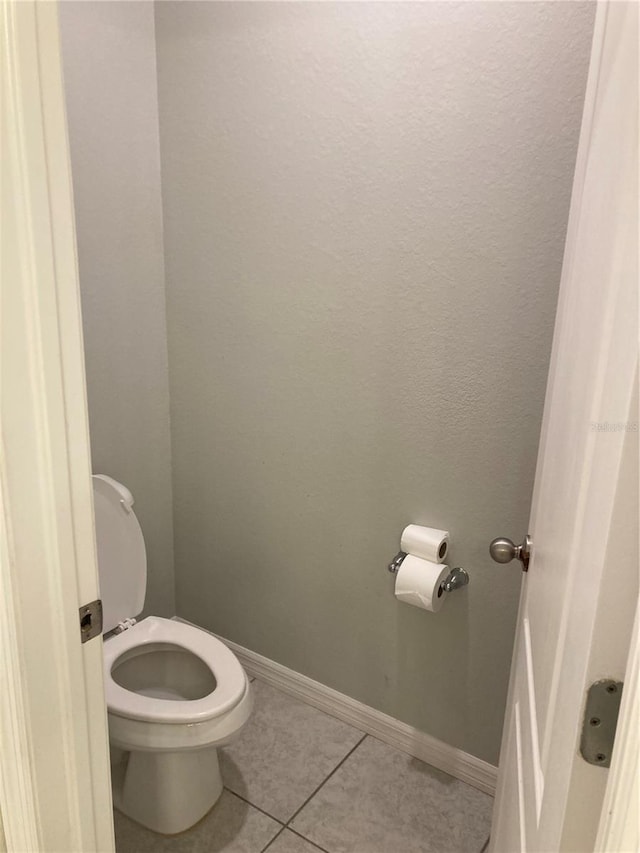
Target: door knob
504	550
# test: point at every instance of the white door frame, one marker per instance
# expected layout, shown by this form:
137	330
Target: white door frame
54	771
619	829
54	763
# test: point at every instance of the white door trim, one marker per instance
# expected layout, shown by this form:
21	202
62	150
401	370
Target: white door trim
54	761
619	828
17	792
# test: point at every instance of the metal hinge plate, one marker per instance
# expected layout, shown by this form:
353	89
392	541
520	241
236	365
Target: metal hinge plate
600	721
90	620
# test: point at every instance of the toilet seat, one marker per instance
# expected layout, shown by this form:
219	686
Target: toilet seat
231	681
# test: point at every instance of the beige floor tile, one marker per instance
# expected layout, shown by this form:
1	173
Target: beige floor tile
382	800
286	751
232	826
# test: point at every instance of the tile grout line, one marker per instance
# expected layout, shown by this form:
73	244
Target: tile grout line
257	808
277	835
304	838
284	826
324	781
293	832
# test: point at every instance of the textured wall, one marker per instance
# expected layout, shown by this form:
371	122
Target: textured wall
111	88
365	208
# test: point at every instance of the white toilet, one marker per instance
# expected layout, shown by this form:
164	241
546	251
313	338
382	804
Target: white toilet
174	692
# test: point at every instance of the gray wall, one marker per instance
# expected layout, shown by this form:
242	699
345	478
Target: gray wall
365	209
112	106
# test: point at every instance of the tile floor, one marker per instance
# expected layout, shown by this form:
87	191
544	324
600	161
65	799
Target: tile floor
300	781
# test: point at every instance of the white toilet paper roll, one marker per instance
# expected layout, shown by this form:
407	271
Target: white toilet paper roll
425	542
418	582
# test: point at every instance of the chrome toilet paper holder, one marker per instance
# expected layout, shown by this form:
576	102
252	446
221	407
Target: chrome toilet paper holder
456	578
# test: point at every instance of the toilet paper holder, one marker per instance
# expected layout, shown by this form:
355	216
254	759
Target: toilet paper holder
456	578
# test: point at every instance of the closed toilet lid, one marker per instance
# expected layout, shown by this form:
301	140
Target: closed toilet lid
231	681
122	559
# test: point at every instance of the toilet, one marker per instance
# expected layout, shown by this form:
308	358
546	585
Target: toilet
174	693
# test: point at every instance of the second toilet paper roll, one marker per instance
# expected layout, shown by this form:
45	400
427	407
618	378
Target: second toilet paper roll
418	582
426	542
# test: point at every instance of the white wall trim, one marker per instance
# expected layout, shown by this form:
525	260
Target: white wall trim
449	759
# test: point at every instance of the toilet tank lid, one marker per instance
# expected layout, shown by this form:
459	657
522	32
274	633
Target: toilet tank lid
122	559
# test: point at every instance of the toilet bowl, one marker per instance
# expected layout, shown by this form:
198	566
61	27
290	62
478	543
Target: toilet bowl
174	692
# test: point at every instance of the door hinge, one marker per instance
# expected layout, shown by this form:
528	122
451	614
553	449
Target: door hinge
90	620
600	721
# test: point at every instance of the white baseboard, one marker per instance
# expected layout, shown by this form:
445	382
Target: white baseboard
449	759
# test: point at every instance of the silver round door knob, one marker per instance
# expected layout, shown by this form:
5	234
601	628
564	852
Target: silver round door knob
503	550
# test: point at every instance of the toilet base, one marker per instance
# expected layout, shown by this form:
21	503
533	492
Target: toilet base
167	792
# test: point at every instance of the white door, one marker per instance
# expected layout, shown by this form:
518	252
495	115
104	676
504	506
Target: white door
579	595
55	792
